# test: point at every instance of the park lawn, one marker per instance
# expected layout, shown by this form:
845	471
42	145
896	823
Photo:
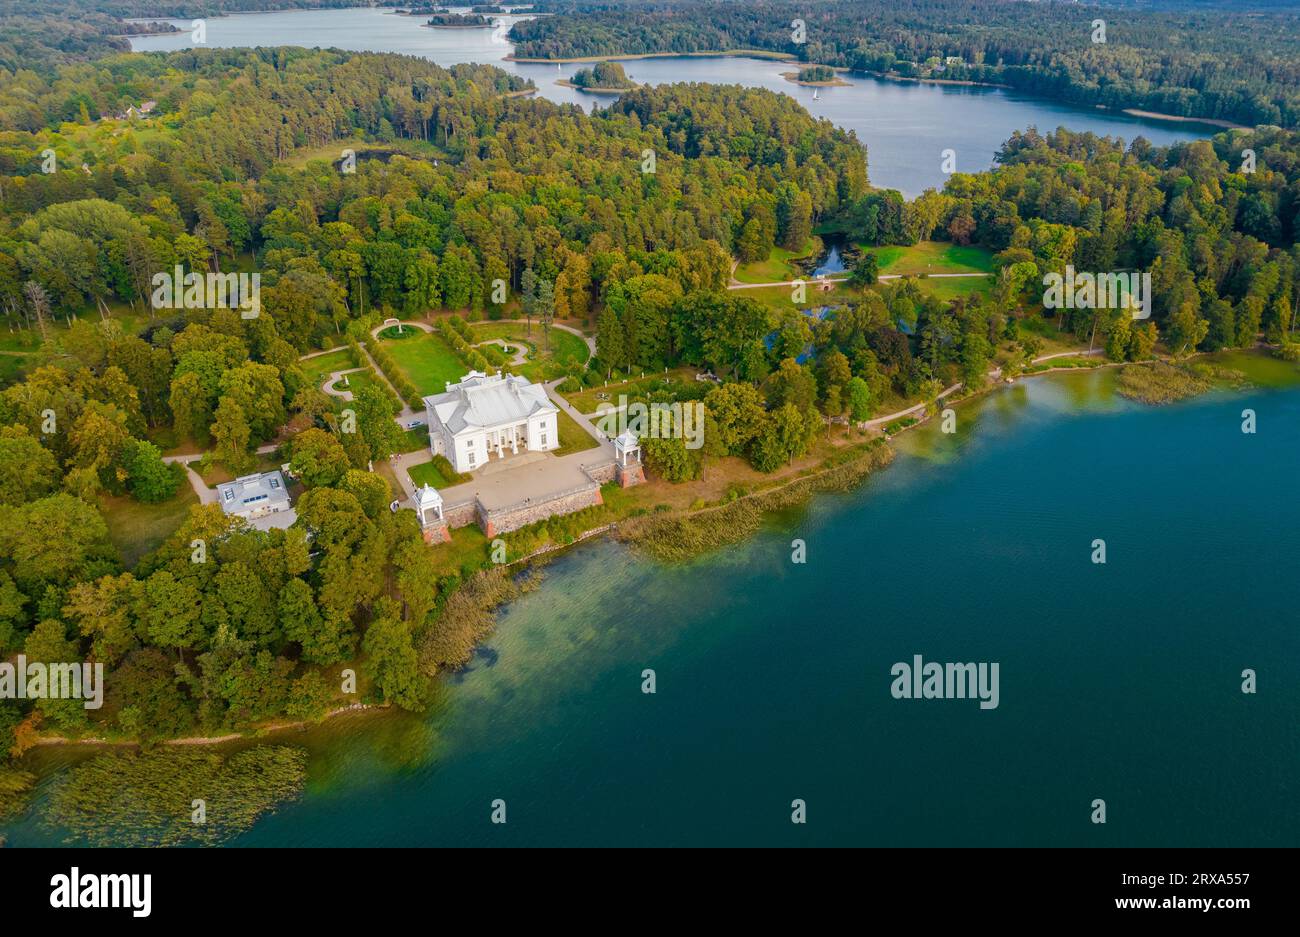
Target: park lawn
426	473
931	257
950	289
777	298
565	348
427	361
136	528
573	438
316	369
589	401
413	440
776	267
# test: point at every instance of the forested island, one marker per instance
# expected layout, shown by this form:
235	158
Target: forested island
603	76
109	403
458	21
815	75
1217	62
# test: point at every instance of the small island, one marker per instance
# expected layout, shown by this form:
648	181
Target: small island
817	76
458	21
602	78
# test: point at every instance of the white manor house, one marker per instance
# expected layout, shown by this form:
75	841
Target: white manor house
483	416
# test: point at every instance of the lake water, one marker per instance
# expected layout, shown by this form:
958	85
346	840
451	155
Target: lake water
905	125
1119	681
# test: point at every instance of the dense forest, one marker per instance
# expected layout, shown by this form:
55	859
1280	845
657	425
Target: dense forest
1223	64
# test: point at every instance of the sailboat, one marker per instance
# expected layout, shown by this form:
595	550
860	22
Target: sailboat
815	90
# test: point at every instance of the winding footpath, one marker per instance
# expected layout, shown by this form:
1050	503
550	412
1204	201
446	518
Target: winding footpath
994	374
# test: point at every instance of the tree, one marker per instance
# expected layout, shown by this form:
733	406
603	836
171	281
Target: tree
168	610
609	340
669	458
859	400
546	310
231	433
391	661
317	458
866	272
27	469
149	478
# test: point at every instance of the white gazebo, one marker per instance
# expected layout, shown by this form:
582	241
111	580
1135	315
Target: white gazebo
427	501
627	448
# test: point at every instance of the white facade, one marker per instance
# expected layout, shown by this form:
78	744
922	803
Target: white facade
484	417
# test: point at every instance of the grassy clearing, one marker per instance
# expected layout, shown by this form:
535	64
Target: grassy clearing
426	473
776	267
427	361
931	257
137	529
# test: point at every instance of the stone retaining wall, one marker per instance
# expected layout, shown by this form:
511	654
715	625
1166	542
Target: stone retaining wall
504	521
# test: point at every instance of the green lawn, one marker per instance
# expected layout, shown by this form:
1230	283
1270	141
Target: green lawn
427	360
136	529
315	369
776	267
426	473
932	257
565	348
573	438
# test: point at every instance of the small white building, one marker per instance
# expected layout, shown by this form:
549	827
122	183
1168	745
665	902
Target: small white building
483	416
251	496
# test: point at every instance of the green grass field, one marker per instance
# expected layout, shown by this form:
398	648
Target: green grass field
932	257
315	369
573	438
427	360
137	529
776	267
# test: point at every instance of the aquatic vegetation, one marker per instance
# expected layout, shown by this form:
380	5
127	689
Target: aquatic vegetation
1160	383
174	796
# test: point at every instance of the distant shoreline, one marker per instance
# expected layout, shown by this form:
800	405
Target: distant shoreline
739	53
1212	121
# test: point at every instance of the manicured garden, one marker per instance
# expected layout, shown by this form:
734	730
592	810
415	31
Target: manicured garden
426	359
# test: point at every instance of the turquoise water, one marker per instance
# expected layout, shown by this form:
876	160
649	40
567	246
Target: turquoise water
905	125
1118	681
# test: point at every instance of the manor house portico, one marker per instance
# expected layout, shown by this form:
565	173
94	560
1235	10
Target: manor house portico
483	416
